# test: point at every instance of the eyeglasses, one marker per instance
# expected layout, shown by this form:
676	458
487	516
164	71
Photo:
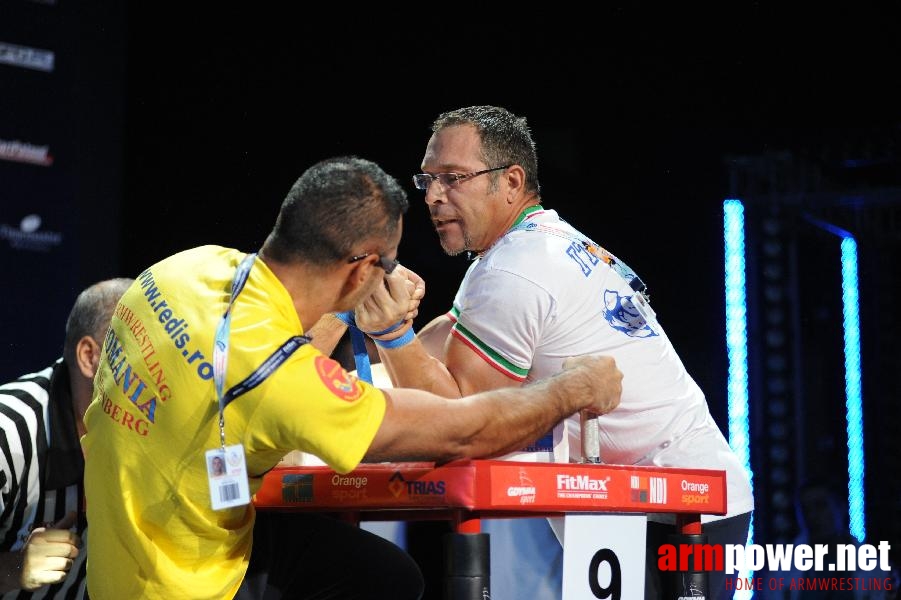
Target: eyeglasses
423	180
389	264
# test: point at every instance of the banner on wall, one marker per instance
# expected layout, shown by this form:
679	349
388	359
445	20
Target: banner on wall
61	131
19	151
27	57
38	250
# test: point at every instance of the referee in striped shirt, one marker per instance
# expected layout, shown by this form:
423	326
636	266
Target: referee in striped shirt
42	521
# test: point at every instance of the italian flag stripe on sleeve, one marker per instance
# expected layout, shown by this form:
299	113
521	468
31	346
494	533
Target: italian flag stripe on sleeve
490	356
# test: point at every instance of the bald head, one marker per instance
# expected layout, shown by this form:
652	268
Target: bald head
91	313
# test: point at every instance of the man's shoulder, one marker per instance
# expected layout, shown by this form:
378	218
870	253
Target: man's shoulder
37	380
546	229
201	254
25	397
202	265
543	250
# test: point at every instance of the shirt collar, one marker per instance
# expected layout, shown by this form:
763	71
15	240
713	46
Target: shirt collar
526	213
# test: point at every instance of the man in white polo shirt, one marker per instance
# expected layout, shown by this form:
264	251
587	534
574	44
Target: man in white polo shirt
537	291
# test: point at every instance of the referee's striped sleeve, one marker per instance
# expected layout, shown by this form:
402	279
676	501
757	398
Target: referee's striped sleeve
23	411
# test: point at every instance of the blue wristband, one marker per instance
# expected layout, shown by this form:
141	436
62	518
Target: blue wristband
394	327
403	340
347	317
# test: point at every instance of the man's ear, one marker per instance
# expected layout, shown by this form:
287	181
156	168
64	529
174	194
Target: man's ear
516	179
87	356
356	277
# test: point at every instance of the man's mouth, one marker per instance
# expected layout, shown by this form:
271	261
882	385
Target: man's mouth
440	222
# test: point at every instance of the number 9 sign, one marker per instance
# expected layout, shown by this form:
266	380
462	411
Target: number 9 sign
612	590
604	556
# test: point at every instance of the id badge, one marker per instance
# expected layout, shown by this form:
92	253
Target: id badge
227	474
644	308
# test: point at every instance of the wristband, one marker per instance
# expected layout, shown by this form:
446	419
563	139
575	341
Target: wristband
397	342
394	327
346	317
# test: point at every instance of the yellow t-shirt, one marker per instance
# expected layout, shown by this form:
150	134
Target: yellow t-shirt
154	533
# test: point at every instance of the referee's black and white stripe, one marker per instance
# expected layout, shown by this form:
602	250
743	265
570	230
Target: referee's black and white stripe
25	437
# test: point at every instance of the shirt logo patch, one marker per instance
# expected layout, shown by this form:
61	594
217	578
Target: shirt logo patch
336	379
624	316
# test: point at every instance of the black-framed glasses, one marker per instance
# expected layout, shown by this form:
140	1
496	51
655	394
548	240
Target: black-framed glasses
423	180
389	264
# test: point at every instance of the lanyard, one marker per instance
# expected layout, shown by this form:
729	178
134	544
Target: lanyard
361	355
220	351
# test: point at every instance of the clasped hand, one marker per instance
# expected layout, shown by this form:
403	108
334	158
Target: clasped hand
396	301
603	381
48	553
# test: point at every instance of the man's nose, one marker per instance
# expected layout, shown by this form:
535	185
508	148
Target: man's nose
435	193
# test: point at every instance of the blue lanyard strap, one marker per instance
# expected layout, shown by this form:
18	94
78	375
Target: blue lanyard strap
223	330
361	355
265	369
220	350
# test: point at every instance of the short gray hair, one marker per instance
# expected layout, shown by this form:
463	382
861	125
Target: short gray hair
92	312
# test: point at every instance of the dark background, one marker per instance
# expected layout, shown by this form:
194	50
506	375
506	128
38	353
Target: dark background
177	125
633	117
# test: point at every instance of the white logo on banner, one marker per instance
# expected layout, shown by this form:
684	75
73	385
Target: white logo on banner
27	236
27	58
658	490
18	151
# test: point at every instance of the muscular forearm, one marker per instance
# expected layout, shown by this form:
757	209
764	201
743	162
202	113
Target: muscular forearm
421	363
422	426
326	333
412	366
516	416
513	419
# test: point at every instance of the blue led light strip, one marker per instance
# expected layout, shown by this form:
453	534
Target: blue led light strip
853	393
737	345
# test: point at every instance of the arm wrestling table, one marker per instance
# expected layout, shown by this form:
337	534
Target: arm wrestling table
466	491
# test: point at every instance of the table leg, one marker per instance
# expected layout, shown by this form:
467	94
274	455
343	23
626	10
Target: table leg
467	560
467	566
693	581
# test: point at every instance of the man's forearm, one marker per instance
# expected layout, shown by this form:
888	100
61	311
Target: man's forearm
326	333
520	415
420	426
413	367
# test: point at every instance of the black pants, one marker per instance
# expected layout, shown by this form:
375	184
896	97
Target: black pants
733	530
316	557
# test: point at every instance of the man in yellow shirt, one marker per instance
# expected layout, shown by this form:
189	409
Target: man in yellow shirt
206	356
